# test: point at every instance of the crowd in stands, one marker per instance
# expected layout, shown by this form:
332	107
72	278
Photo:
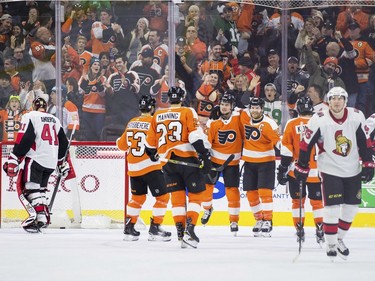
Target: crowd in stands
114	51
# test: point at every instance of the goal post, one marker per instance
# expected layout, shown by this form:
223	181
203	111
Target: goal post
96	198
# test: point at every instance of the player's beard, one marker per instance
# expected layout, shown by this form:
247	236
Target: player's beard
256	115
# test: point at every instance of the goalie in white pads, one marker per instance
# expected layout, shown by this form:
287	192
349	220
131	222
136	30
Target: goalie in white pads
339	133
144	173
41	143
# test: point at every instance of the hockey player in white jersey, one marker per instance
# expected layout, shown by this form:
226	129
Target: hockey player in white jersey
40	146
339	133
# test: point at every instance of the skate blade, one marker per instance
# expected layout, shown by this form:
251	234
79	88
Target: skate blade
321	244
158	238
342	256
190	242
257	234
234	233
130	238
266	234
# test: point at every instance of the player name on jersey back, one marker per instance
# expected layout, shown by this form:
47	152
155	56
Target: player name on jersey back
48	119
168	116
139	125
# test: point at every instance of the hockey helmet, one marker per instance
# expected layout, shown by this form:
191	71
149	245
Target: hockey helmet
176	94
146	103
305	106
228	97
337	91
39	103
254	101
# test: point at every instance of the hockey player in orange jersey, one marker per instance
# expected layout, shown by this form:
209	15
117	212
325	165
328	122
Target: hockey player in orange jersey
175	134
289	154
143	173
225	137
261	136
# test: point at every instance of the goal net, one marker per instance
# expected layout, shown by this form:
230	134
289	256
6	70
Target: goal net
295	4
96	198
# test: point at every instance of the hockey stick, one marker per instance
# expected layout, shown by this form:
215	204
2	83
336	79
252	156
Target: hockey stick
194	165
59	176
300	226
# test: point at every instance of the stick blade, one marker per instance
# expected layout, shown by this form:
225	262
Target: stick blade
226	163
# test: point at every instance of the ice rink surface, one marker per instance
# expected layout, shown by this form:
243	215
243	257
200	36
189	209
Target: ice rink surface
93	255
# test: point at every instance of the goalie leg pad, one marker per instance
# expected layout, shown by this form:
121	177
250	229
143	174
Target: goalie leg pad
36	195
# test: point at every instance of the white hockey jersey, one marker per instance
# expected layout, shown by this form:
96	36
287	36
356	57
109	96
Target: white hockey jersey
41	138
340	142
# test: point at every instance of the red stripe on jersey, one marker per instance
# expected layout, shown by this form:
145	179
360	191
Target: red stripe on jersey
303	145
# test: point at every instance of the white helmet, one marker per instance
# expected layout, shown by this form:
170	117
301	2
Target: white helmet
337	91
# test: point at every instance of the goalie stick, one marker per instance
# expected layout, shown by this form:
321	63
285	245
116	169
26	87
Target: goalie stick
59	175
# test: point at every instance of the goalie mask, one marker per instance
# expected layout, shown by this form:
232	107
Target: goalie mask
305	106
39	103
176	95
146	104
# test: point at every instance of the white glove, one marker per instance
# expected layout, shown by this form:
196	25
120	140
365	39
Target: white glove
63	169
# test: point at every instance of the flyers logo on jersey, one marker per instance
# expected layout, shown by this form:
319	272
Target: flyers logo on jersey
343	144
205	106
253	133
227	136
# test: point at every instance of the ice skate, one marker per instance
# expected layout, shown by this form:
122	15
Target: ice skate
206	215
257	229
234	228
190	238
32	227
157	233
300	233
331	251
319	234
180	234
130	233
342	250
266	228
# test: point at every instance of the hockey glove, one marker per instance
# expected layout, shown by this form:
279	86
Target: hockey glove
205	159
282	174
63	168
153	154
11	166
367	172
301	172
215	113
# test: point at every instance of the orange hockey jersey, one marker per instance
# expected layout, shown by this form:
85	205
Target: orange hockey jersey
290	146
259	138
225	138
174	130
133	141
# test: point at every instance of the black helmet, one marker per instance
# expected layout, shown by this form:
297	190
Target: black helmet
256	101
305	106
146	103
228	97
176	94
39	103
